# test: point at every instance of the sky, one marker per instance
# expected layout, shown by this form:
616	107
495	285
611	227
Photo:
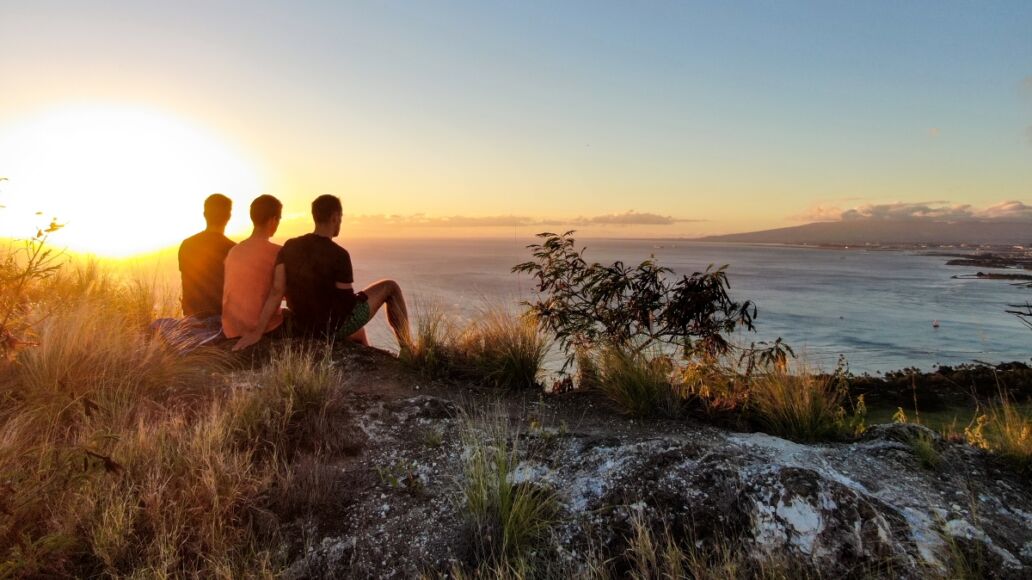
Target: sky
456	118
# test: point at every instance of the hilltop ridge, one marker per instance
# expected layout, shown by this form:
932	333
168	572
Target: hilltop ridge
850	232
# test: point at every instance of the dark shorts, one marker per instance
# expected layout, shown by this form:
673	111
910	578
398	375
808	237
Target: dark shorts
360	315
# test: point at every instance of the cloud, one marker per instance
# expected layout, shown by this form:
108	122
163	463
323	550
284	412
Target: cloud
628	218
934	132
820	213
923	211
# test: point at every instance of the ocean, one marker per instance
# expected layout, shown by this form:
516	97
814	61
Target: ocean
875	308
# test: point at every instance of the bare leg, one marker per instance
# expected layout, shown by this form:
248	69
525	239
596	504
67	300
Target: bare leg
360	337
388	292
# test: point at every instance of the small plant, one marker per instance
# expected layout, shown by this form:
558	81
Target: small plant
401	476
21	267
507	517
433	437
924	449
900	416
640	385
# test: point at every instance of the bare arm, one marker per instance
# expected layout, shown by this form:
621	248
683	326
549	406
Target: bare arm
279	288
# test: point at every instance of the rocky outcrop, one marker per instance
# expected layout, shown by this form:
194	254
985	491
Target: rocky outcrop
867	508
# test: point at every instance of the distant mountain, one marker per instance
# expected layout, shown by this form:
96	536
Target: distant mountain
858	232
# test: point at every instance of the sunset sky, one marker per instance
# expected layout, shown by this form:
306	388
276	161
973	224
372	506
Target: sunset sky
484	118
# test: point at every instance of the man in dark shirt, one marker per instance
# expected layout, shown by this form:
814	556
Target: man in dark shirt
201	260
316	276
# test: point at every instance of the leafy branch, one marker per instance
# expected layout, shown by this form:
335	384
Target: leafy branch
635	307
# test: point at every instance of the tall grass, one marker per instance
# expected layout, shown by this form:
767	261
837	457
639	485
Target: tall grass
496	348
639	384
296	404
504	350
507	518
1006	430
803	406
122	457
432	352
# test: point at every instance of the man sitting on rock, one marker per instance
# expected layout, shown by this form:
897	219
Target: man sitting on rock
201	258
317	278
249	272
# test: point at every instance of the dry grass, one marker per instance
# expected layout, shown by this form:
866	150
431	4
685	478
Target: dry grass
498	348
1006	430
639	384
504	350
433	347
803	406
121	457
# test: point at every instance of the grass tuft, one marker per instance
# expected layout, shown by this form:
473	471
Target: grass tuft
296	406
924	449
639	385
498	348
803	407
504	350
507	517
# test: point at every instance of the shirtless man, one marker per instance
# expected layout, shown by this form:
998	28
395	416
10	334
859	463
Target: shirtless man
316	276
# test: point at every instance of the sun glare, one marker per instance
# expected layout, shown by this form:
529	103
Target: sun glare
125	180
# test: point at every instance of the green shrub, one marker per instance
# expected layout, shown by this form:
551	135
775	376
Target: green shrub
585	305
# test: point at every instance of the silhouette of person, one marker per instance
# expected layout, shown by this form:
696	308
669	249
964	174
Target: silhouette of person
201	258
317	278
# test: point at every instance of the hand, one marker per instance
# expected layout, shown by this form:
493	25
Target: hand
247	340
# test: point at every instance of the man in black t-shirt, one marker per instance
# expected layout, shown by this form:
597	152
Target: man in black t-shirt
201	259
316	276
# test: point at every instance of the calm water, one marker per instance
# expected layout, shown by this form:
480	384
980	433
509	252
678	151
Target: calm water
876	308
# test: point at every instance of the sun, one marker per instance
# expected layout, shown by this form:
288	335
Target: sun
124	180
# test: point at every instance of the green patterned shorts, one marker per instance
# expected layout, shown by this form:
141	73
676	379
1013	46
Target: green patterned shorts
360	315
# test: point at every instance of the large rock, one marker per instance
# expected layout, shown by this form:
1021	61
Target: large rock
864	508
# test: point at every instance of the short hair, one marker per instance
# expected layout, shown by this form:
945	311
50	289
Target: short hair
265	208
217	207
324	207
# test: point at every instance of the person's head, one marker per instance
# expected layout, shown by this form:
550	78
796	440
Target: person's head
266	212
327	213
217	209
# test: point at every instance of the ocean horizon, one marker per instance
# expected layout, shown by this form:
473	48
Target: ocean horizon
875	308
